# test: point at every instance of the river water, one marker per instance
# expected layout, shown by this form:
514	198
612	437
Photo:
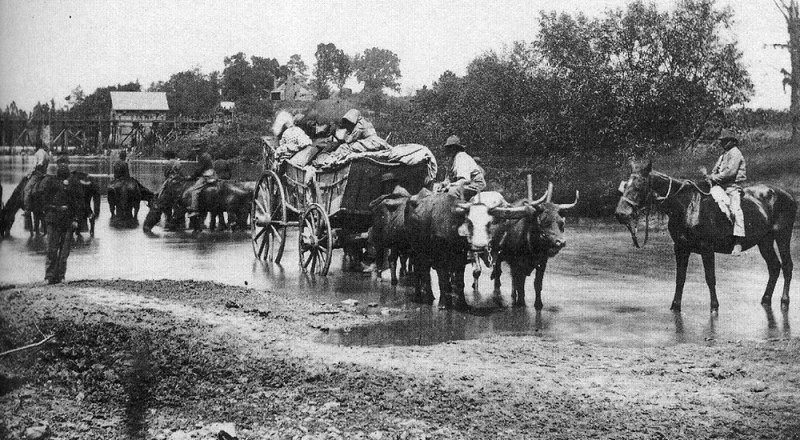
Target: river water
599	289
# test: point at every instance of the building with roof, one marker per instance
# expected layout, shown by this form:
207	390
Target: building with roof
134	115
292	89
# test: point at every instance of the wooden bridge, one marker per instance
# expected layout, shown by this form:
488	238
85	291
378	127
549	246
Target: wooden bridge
93	135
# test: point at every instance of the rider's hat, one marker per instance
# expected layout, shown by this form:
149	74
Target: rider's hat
453	142
727	134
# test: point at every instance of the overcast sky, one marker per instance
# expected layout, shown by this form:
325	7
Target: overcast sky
48	48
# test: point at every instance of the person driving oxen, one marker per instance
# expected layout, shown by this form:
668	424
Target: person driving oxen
120	168
465	178
729	173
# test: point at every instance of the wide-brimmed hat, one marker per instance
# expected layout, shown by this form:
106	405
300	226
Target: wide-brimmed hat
726	134
453	142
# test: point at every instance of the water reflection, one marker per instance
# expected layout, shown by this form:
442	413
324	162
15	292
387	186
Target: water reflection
772	330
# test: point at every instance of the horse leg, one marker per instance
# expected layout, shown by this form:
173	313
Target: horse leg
537	285
681	263
783	240
767	249
711	278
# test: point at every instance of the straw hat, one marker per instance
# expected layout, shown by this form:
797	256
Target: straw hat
453	142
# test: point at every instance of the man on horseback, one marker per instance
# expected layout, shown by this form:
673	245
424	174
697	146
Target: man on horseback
120	168
41	158
205	176
730	173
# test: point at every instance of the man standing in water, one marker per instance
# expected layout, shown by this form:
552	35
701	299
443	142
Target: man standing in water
62	204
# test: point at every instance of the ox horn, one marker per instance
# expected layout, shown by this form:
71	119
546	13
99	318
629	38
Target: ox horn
540	200
549	194
570	205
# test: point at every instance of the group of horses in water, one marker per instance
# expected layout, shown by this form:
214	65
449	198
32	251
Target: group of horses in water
769	213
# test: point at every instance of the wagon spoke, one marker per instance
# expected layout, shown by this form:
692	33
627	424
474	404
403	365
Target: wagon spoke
259	234
308	260
262	247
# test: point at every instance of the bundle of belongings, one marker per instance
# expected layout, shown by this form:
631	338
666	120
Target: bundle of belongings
326	149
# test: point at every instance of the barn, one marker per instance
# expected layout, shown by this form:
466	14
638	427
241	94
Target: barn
135	114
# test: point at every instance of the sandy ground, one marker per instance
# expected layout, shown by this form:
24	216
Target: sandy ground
183	359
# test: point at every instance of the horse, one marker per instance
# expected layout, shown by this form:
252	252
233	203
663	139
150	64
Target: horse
216	198
697	225
124	198
35	218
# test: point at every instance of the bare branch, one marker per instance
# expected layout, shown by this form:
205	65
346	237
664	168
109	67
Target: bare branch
27	347
782	7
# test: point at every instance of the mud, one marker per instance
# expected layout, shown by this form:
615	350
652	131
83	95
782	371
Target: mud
171	359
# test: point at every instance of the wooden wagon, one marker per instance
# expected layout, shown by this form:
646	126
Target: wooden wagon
330	208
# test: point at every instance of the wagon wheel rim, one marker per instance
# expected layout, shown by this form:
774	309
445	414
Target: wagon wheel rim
315	241
268	218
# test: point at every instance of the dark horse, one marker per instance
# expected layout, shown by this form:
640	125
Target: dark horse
216	198
125	196
91	203
697	225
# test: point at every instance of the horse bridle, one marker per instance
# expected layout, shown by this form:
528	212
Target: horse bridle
649	196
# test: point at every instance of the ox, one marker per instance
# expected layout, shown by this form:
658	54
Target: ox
388	232
442	230
532	233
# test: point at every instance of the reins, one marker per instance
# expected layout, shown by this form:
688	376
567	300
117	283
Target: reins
657	198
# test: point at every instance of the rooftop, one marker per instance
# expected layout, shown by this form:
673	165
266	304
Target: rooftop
139	101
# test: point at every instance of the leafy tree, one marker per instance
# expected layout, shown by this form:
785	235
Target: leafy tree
324	68
237	77
342	68
97	105
378	69
266	72
190	93
297	67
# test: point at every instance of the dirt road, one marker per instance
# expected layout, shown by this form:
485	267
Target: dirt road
184	359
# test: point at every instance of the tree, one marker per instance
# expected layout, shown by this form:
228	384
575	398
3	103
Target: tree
378	69
266	72
324	68
342	68
190	93
791	13
297	67
237	78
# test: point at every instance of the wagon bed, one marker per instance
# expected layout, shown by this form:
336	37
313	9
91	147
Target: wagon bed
330	208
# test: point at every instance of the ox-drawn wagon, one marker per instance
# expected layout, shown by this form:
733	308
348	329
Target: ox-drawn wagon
330	207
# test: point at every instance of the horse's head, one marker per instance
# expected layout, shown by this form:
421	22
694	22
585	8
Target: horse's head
634	196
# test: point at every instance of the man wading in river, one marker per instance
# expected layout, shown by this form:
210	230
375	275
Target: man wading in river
62	205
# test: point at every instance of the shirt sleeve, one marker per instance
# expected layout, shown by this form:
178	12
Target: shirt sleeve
728	166
463	167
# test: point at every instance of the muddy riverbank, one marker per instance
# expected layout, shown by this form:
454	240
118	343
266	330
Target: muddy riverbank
171	359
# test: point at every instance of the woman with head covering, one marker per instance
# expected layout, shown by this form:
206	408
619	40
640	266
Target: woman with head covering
294	145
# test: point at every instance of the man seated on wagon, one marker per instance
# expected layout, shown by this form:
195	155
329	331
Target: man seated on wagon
120	168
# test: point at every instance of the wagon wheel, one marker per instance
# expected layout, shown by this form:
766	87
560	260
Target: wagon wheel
315	240
268	218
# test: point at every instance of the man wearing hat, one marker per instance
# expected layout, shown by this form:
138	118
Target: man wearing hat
730	173
205	175
120	168
465	177
63	202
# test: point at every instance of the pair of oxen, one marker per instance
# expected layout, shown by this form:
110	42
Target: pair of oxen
89	195
217	198
437	230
